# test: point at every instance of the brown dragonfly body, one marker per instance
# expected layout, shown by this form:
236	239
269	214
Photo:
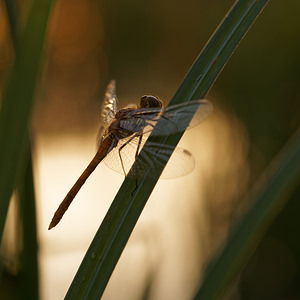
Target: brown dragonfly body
101	153
127	128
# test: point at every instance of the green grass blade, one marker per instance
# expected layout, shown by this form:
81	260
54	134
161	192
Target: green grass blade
17	100
218	50
12	19
113	234
270	195
27	282
28	275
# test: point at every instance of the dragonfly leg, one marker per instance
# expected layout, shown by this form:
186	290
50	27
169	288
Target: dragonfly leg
136	155
120	149
139	145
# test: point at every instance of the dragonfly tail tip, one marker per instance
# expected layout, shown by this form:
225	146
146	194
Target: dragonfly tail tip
51	226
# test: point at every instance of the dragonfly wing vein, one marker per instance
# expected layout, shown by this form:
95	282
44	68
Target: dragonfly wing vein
171	120
154	157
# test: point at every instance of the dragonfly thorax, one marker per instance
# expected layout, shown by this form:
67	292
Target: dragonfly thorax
117	126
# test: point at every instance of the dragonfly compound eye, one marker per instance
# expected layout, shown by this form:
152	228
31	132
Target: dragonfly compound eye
148	101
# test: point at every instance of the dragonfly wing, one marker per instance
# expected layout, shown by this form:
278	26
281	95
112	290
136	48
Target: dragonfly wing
180	163
204	110
110	103
175	117
121	159
169	120
108	110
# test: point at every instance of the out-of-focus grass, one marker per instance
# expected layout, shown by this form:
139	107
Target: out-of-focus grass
15	151
269	197
28	272
111	238
17	100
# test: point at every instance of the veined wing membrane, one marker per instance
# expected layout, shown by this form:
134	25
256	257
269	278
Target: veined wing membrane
108	110
110	104
167	120
180	163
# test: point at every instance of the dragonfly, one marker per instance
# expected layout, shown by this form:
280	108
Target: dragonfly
124	132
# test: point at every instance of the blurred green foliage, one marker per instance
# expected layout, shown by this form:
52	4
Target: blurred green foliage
261	85
154	43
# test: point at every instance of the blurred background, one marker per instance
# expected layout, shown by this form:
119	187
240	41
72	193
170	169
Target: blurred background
148	47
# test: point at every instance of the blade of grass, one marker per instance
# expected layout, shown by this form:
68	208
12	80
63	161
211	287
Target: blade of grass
28	276
27	282
12	19
17	100
114	232
269	197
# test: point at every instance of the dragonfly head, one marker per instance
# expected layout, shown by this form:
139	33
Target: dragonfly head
148	101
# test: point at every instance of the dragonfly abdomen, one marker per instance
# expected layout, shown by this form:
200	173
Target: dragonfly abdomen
104	148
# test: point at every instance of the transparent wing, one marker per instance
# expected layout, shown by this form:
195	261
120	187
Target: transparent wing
108	110
167	120
120	159
110	103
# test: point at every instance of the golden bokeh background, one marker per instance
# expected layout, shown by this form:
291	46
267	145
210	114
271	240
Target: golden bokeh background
148	47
